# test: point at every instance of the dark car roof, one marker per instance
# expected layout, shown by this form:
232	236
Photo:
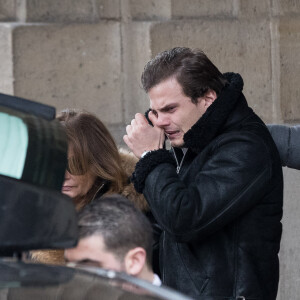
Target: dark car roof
19	280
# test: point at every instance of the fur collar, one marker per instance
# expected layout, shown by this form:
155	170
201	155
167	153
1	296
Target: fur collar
129	161
213	120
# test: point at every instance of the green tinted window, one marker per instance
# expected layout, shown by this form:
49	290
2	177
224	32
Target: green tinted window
13	145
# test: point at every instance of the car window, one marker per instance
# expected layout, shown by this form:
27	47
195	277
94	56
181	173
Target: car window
24	281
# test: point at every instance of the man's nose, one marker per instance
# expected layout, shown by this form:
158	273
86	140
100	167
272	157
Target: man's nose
162	121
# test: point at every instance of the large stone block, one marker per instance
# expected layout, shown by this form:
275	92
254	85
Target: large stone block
136	53
202	8
59	11
238	46
286	7
8	10
150	9
108	9
118	131
6	58
289	255
289	43
71	10
253	9
70	66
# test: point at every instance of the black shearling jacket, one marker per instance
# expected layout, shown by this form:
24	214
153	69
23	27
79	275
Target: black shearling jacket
220	215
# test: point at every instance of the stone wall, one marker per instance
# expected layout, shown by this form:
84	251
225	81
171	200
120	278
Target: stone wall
89	54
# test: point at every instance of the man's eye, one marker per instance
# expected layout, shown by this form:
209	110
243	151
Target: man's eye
171	108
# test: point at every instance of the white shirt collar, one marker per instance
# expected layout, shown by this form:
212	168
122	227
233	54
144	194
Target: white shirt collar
156	280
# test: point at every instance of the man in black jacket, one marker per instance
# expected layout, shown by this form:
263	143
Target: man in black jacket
217	195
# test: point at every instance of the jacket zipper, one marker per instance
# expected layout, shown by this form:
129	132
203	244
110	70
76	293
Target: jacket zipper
177	171
179	165
163	273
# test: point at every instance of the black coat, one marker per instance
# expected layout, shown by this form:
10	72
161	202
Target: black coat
221	214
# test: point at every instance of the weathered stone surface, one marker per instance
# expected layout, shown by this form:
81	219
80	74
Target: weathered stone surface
136	53
6	58
70	66
150	9
289	35
286	7
108	9
60	11
118	131
71	10
239	46
253	9
289	255
7	10
202	8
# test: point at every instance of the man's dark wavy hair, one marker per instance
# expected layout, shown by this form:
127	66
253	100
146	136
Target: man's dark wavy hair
192	68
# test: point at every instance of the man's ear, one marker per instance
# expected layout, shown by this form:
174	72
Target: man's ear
209	97
135	260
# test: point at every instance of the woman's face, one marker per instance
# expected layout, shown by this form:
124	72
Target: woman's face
77	186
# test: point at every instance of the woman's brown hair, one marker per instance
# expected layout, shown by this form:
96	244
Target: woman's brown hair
93	150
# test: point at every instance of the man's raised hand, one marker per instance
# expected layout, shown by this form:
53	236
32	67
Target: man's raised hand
141	136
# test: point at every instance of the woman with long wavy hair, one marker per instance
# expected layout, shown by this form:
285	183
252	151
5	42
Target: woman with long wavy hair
95	167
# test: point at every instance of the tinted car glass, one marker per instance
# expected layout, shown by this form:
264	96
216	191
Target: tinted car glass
19	280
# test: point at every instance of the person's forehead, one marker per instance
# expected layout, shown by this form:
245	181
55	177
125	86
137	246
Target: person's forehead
94	249
165	93
87	248
92	241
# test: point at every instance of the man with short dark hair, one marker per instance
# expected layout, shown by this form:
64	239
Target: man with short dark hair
218	193
115	235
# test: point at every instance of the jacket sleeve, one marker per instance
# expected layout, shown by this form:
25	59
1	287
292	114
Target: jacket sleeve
232	179
287	140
